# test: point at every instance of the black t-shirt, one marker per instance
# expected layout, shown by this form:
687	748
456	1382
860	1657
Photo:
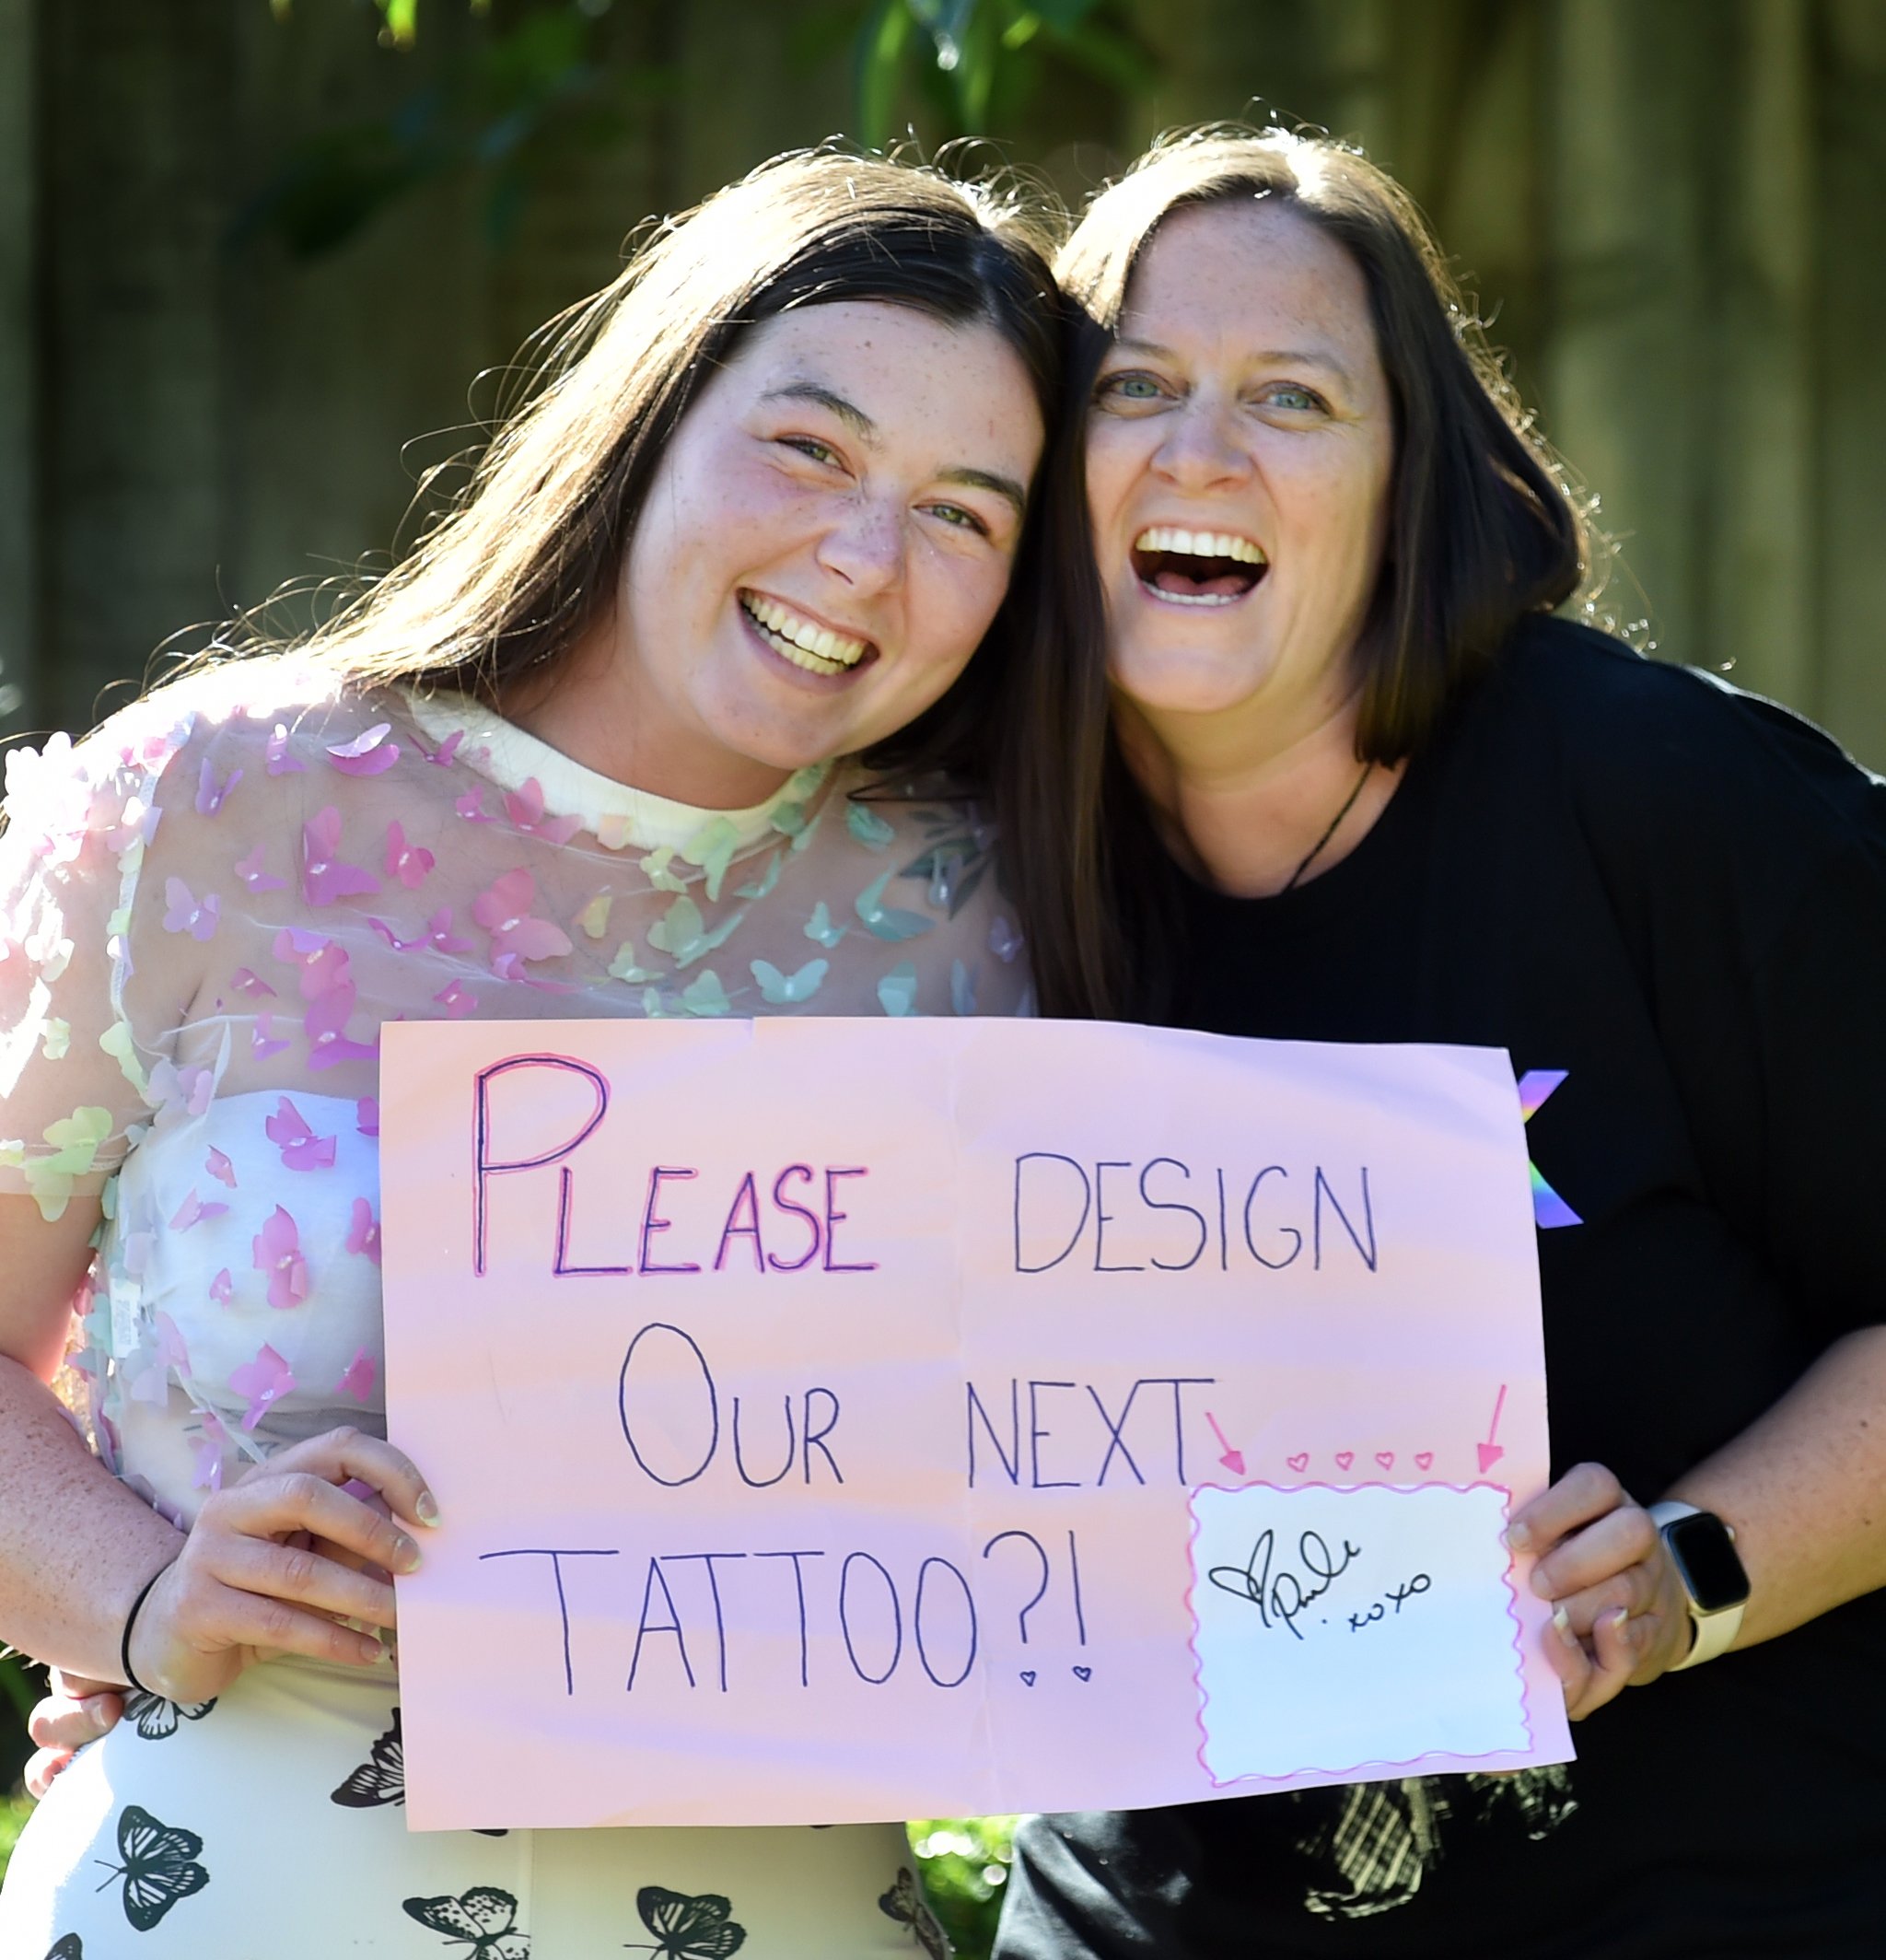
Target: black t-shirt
1676	894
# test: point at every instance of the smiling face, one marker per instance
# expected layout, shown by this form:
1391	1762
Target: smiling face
1240	453
825	543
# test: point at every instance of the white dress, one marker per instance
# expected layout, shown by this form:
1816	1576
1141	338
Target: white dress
211	904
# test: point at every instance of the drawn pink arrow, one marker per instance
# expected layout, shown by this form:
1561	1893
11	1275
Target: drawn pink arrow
1490	1452
1233	1459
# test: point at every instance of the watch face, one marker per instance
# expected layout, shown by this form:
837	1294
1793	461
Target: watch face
1706	1556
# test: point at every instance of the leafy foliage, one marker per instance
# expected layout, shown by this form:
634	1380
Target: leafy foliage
545	77
964	1864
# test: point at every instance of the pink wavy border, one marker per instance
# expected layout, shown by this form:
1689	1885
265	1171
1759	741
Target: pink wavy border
1439	1758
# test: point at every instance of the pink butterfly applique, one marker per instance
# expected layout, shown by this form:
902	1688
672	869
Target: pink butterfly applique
362	1235
220	1168
448	748
368	754
262	1038
264	1382
367	1116
359	1378
457	1000
246	980
210	798
189	1212
280	763
407	862
326	1024
222	1288
208	1449
524	807
278	1254
325	874
470	806
171	1351
250	871
301	1149
186	914
504	911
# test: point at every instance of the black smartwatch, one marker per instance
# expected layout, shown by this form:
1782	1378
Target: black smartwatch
1702	1547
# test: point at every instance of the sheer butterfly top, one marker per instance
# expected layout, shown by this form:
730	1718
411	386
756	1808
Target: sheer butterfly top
213	903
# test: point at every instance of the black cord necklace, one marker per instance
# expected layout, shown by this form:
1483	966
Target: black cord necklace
1316	849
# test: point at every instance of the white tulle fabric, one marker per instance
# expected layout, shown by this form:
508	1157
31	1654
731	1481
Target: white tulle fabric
211	906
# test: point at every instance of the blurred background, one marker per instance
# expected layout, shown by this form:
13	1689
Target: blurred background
255	254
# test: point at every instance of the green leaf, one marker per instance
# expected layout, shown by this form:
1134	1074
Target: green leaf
880	47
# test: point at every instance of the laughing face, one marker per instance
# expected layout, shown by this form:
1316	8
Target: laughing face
827	539
1240	453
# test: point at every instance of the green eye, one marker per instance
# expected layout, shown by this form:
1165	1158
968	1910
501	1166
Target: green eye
954	514
811	447
1288	394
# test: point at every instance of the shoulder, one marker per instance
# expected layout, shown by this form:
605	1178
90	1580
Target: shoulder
1672	747
1678	784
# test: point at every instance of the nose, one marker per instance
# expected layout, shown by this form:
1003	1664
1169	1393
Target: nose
864	545
1200	449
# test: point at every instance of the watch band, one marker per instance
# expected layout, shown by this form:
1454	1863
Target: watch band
1711	1633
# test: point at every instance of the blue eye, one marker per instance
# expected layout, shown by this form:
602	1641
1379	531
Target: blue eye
1130	388
1289	395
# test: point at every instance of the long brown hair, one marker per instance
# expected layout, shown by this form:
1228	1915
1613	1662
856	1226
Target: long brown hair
1481	530
506	580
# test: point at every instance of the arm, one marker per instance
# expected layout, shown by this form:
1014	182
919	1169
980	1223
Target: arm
1803	1489
77	1546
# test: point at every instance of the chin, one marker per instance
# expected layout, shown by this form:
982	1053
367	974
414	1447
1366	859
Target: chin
1187	680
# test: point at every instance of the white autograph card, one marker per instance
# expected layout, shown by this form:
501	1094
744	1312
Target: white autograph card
1335	1628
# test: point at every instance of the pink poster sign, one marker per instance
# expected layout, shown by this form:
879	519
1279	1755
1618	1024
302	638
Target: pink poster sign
838	1421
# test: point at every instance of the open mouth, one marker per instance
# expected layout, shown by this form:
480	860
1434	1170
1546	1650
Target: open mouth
1197	568
816	648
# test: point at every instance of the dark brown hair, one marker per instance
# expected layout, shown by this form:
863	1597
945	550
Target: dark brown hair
506	581
1481	530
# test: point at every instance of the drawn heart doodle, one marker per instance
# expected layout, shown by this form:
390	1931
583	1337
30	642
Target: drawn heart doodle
1344	1458
1424	1459
1027	1676
1083	1673
1386	1458
1299	1463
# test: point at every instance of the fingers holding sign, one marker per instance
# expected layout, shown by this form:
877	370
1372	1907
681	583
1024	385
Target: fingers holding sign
1619	1615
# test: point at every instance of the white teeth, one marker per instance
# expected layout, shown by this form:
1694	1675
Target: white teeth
816	648
1199	545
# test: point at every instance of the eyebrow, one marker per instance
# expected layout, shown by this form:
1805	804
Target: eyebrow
1266	357
1002	486
849	413
868	432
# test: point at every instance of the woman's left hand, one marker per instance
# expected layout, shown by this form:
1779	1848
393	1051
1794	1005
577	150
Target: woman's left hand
1619	1614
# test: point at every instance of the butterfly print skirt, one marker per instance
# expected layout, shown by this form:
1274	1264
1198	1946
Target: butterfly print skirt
270	1825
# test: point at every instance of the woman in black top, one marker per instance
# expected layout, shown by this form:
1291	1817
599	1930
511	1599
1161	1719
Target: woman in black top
1359	785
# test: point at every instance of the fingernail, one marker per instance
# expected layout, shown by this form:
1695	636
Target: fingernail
426	1509
1563	1621
94	1707
406	1555
372	1651
1619	1617
1540	1583
1519	1537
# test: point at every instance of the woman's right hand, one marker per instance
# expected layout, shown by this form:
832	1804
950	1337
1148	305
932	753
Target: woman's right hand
254	1578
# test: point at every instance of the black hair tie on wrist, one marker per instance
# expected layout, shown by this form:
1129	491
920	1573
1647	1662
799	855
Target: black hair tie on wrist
130	1621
